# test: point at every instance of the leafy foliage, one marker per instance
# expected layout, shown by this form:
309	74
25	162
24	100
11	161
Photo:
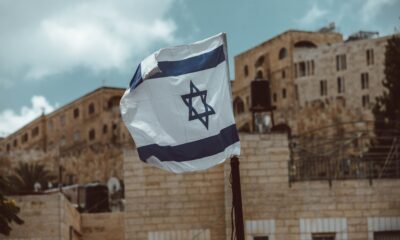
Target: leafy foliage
8	210
387	107
27	174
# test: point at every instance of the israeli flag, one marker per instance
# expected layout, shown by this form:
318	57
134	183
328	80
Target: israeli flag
178	107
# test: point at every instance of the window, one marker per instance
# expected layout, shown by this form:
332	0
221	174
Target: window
8	147
365	101
260	61
275	97
24	138
91	108
323	84
295	70
323	236
340	84
76	112
62	120
296	91
260	238
15	142
312	67
284	93
370	56
341	62
92	134
282	53
283	74
364	80
246	71
77	136
302	69
35	131
114	126
105	129
238	105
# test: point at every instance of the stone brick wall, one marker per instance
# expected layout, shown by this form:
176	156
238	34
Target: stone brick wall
272	207
46	217
162	205
108	226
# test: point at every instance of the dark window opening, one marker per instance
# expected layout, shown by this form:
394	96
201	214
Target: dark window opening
91	108
92	134
283	53
113	102
238	105
340	84
323	84
370	56
260	61
114	126
283	73
341	63
387	235
302	69
105	128
284	93
15	142
35	131
365	101
305	44
246	71
364	81
296	91
275	97
24	138
76	112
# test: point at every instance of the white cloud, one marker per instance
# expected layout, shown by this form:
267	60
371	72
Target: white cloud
312	16
12	121
372	8
45	37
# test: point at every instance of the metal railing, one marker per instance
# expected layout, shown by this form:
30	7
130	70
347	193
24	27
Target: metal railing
354	150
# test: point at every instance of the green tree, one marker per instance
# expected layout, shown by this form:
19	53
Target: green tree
27	174
387	107
8	210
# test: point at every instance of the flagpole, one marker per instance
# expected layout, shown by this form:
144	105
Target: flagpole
237	198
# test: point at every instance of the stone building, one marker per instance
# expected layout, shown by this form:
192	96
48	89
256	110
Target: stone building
84	137
166	206
312	74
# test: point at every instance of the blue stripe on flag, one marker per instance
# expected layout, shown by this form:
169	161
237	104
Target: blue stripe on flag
193	150
201	62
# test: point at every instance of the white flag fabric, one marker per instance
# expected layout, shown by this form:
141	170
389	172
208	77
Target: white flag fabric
178	107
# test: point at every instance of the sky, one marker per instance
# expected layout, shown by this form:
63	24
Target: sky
52	51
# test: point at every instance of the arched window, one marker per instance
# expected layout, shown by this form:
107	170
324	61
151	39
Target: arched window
305	44
260	75
238	105
246	70
283	53
91	108
260	61
92	134
113	102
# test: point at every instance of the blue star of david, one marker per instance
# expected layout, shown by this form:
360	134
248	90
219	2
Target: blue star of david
193	114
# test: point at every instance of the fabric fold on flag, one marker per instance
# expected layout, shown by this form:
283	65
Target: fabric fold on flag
178	107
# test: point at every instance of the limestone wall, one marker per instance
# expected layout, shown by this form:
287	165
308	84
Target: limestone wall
108	226
162	205
46	217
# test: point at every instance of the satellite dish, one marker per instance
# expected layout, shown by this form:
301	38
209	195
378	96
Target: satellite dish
113	185
37	187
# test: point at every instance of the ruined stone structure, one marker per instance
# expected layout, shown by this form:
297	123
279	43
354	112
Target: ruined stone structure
312	74
84	137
